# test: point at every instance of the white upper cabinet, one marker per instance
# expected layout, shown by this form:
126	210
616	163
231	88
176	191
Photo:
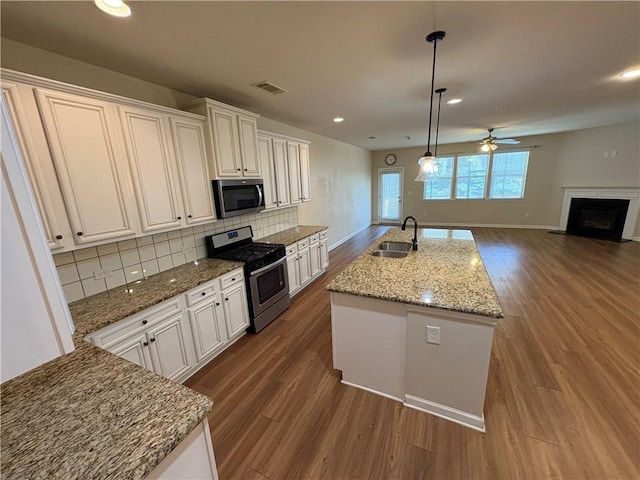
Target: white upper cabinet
282	171
232	139
84	139
193	171
293	153
32	142
305	173
265	152
152	168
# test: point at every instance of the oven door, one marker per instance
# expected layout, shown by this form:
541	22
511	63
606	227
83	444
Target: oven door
268	285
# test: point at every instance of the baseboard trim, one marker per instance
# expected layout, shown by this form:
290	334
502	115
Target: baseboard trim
448	413
370	390
636	239
351	235
486	225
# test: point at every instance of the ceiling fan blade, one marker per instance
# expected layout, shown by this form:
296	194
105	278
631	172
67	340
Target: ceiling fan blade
508	141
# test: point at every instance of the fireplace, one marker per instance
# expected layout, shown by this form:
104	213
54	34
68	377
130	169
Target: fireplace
597	217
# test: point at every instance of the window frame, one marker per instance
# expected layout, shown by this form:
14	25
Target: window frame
488	178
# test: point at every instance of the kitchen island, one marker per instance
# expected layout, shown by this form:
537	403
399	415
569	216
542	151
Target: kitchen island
418	329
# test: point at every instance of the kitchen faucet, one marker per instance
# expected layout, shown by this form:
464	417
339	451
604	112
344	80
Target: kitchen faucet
414	241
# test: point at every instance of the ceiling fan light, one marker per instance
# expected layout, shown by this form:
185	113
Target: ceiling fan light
493	147
485	147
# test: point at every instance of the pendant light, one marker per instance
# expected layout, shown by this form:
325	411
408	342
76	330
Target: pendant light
427	161
439	91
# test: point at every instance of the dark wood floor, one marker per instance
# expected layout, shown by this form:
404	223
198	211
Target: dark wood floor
563	394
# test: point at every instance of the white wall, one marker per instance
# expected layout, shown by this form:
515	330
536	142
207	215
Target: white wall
340	183
561	159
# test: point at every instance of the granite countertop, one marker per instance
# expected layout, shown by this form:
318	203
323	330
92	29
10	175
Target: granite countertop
293	235
445	272
102	309
90	414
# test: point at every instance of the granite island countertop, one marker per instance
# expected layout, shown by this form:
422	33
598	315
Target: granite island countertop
98	311
293	235
446	272
90	414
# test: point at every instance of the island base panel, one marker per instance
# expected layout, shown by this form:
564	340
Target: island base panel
369	338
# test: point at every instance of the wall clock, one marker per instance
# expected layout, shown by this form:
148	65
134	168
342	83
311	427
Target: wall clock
390	159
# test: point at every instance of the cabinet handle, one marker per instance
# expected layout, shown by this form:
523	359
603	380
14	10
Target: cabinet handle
203	293
79	234
179	218
188	216
58	237
217	304
146	344
233	279
144	322
152	339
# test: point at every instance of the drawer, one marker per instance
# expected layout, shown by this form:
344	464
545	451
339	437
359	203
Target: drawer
201	293
323	234
140	321
231	278
303	244
292	249
314	239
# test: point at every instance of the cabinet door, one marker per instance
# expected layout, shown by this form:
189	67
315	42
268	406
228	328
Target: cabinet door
304	265
268	172
305	173
208	327
235	309
248	139
294	173
324	254
152	168
293	273
170	343
282	172
314	259
225	142
135	349
193	172
84	145
43	190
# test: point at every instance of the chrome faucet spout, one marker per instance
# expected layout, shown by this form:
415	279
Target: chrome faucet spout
414	240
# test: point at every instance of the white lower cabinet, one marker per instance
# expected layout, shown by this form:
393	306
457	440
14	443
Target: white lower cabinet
306	261
182	334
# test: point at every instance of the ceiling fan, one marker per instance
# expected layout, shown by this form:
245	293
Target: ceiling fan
490	143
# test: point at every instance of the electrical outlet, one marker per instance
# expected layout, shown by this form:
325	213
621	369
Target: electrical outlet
433	335
104	273
605	155
614	153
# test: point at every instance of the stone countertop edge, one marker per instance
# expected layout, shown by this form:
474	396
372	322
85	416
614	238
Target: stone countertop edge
445	273
103	309
91	414
293	235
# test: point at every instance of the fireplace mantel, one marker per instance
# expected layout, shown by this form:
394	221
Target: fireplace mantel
623	193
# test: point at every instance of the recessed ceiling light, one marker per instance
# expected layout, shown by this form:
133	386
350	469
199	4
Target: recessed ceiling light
631	74
117	8
338	119
453	101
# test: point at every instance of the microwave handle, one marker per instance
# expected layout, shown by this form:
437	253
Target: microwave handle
260	201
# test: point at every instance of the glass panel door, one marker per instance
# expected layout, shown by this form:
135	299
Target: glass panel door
390	184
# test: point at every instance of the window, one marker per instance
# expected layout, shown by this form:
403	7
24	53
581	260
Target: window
492	175
438	185
508	175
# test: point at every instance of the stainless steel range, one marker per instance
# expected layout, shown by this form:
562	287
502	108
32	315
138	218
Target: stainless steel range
265	269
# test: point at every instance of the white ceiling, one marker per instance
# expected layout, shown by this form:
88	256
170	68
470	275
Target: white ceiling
525	68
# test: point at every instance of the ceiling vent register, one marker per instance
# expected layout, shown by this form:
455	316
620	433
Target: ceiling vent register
269	87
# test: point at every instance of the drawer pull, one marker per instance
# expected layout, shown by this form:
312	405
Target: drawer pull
233	279
58	237
179	218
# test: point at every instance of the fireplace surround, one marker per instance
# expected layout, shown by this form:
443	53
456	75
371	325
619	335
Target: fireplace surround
632	194
597	217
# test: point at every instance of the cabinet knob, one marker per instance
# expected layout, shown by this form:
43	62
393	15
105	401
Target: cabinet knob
58	237
233	279
217	304
144	322
79	234
203	293
189	216
238	169
226	299
152	339
245	169
146	344
179	218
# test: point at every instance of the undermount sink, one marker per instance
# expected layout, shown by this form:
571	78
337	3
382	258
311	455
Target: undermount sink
390	253
395	246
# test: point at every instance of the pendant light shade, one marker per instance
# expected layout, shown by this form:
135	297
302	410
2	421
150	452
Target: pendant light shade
428	161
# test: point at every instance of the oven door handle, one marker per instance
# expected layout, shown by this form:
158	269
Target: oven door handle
268	267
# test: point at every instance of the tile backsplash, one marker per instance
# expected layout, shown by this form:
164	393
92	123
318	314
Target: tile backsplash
96	269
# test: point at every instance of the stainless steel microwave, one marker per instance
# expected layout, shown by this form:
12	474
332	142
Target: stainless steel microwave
238	197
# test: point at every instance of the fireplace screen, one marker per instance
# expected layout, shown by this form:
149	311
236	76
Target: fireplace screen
597	217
